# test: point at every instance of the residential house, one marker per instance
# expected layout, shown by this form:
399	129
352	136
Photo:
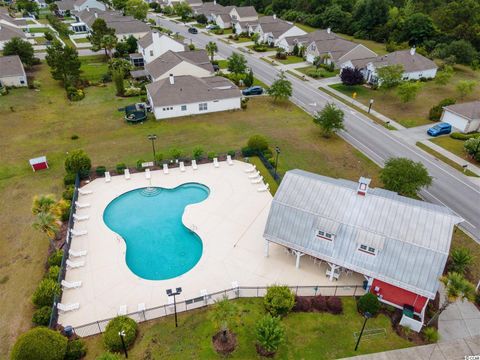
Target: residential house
464	117
272	30
184	95
415	66
66	7
195	63
154	44
210	10
194	3
12	72
41	4
9	28
399	244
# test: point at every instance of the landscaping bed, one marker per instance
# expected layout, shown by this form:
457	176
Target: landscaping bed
291	59
322	73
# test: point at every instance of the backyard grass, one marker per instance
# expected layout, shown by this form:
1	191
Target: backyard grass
308	335
324	73
267	177
223	64
460	239
291	59
38	30
82	40
93	67
45	127
454	146
40	40
416	112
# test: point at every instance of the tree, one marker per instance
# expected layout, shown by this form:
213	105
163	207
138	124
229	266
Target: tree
436	111
117	77
463	51
369	303
108	43
370	15
40	343
281	88
201	19
23	49
279	300
43	203
472	147
47	223
99	30
317	61
351	76
78	162
249	79
270	333
330	119
237	63
338	19
405	176
182	9
112	341
136	8
465	88
223	313
408	91
257	143
389	76
418	28
211	48
255	37
119	4
456	288
27	6
120	65
461	259
444	76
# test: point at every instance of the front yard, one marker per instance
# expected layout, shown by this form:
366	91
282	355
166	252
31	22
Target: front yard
291	59
454	146
320	72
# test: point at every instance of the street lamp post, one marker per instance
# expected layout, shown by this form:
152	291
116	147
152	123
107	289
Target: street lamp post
122	334
170	292
370	105
152	138
367	316
277	150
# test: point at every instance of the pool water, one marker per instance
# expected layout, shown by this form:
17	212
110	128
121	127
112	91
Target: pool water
159	246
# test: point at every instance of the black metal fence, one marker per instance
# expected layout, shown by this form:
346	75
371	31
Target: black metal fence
98	327
270	168
66	248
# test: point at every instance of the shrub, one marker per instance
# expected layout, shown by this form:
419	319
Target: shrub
69	179
258	143
460	136
431	334
107	77
279	300
78	162
41	317
319	303
55	259
211	155
158	158
40	344
175	153
45	293
132	91
63	207
68	192
108	356
120	168
76	349
302	304
477	298
197	153
436	111
334	305
100	170
247	151
368	303
231	153
74	137
53	272
75	94
461	259
270	333
112	340
191	47
139	164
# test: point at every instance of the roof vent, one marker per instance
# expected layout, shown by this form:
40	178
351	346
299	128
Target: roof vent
363	184
172	79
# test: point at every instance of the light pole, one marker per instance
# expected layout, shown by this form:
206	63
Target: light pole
367	316
170	292
277	150
152	138
122	334
370	105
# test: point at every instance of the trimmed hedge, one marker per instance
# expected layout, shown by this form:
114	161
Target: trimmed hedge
112	340
45	293
56	258
334	305
53	272
76	349
40	344
41	317
460	136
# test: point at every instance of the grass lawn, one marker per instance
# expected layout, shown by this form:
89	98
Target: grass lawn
454	146
460	239
269	60
31	22
40	40
267	177
82	40
414	113
324	73
223	64
38	30
291	59
308	335
93	67
45	126
241	39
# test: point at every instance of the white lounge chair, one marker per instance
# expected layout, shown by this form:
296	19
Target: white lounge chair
122	310
126	172
78	232
84	192
75	264
263	188
141	307
71	285
67	307
165	169
182	166
108	178
257	180
77	253
215	162
254	176
148	175
80	217
81	205
229	160
194	165
251	169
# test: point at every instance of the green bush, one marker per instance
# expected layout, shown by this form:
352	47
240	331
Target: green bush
40	344
158	158
100	170
211	155
112	340
139	164
258	143
270	333
55	259
69	179
68	192
436	111
247	151
108	356
431	334
368	303
175	153
232	153
120	168
45	293
320	73
461	260
41	317
279	300
78	162
197	153
76	349
460	136
53	272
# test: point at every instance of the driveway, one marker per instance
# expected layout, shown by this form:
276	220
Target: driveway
414	134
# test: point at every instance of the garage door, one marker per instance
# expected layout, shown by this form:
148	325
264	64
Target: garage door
456	121
310	58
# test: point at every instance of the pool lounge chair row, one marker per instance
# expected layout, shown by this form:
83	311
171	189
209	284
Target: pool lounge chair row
256	178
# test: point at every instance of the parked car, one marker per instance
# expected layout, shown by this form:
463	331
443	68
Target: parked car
193	30
253	90
440	129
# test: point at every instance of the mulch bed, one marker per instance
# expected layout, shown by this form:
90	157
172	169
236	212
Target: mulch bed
224	347
261	351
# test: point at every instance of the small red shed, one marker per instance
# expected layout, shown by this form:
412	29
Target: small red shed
39	163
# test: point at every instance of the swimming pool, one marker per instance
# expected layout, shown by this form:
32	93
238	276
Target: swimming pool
159	246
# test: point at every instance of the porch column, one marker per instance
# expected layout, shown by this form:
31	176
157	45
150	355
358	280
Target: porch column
299	255
266	248
333	267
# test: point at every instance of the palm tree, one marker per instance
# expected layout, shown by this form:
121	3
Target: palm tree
255	37
43	203
456	287
223	312
47	223
108	43
211	48
461	260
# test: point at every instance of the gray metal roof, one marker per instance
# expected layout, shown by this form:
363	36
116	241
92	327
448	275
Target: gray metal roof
412	237
11	66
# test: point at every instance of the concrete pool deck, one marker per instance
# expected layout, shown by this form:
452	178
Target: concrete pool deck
230	223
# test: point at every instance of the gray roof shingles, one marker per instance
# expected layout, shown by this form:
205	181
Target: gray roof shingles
170	59
11	66
470	110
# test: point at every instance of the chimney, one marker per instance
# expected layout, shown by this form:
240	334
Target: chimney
172	79
413	50
363	186
329	30
274	16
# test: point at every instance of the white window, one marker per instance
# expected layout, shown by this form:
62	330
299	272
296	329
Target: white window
367	249
325	235
202	106
184	108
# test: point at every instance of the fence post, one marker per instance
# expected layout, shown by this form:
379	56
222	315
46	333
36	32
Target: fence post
257	291
99	328
335	293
